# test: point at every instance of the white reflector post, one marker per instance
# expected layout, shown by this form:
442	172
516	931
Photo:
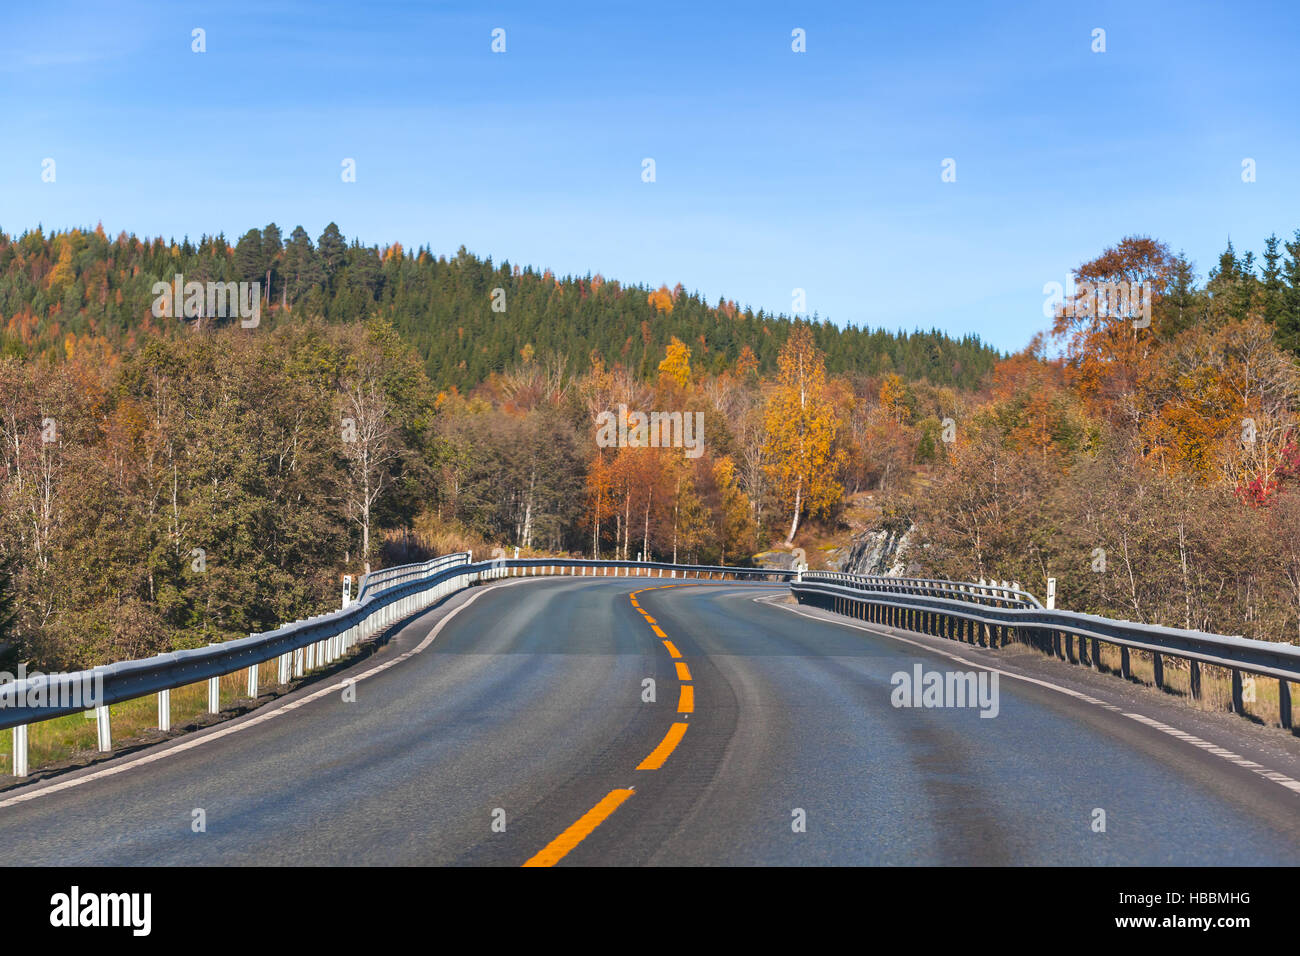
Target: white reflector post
20	751
103	731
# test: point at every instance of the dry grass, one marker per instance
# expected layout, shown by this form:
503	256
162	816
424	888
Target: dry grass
437	536
1216	684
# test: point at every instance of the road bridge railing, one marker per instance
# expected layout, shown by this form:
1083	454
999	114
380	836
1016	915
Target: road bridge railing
988	616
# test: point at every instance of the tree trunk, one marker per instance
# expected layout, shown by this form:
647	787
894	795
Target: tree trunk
798	504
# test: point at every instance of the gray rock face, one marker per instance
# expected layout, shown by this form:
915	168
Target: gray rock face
874	552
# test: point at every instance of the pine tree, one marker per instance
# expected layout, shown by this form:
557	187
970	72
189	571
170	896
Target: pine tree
1287	327
332	249
250	260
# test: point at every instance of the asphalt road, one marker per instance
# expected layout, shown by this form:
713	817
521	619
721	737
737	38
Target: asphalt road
515	733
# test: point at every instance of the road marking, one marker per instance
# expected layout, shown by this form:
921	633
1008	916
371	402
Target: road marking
665	748
1279	778
262	715
555	851
1218	751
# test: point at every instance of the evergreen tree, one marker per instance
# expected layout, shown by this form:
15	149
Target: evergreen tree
332	249
1287	327
250	260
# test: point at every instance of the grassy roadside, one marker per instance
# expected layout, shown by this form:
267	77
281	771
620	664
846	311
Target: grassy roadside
1216	685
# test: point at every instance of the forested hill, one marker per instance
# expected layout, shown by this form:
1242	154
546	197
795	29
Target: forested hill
82	291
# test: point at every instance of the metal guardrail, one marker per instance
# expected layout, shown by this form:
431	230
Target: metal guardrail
991	593
385	597
994	622
385	578
639	569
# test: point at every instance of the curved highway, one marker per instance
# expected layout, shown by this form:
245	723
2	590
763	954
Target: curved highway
510	725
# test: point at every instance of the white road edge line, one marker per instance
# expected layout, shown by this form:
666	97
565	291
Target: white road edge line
273	711
1273	775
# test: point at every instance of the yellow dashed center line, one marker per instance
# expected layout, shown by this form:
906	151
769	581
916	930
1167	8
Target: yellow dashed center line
665	748
554	851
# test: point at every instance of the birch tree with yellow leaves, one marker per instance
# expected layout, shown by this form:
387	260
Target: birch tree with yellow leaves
801	425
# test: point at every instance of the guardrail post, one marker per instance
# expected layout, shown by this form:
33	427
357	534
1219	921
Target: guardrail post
1158	669
297	662
252	681
1284	702
1124	668
165	710
1238	706
214	695
103	731
1194	679
20	751
1096	654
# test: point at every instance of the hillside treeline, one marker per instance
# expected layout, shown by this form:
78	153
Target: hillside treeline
466	317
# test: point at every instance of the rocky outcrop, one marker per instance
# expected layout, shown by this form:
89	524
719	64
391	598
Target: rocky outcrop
880	551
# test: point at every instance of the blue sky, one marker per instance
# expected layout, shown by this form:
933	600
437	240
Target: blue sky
774	170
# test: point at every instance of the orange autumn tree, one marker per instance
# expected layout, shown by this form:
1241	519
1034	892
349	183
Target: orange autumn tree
1227	406
675	369
1107	356
737	534
801	425
601	500
1032	407
661	299
893	397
